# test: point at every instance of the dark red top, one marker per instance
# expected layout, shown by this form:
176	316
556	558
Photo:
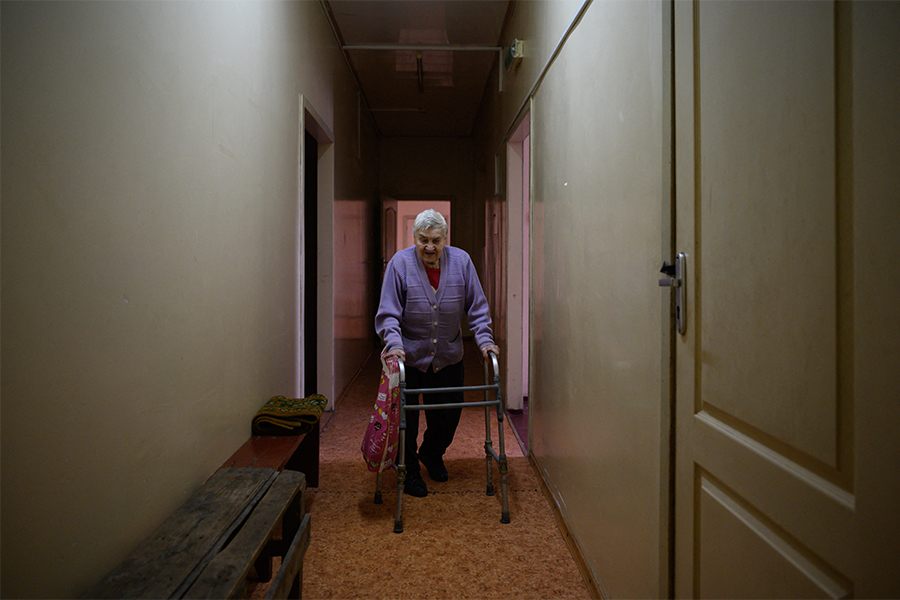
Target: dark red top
434	276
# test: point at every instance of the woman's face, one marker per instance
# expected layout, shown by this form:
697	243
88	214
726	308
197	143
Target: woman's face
429	245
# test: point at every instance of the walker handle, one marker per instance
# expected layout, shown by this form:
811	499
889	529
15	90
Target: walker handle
402	370
495	362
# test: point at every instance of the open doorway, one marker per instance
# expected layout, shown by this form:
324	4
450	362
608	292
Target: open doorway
315	264
398	217
310	265
518	322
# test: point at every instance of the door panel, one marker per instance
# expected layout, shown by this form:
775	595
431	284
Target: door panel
760	560
765	504
767	211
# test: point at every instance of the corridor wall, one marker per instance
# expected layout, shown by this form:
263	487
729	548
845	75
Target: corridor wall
594	80
149	257
599	195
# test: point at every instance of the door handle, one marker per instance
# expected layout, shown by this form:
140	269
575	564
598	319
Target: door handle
670	282
675	279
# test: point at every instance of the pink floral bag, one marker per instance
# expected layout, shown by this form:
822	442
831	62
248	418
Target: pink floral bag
383	433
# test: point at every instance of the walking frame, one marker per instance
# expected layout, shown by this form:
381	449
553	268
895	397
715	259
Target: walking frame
490	453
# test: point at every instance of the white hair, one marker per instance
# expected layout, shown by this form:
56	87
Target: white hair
430	219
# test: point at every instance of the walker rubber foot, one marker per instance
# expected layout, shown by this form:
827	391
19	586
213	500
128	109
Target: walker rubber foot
378	499
505	518
398	526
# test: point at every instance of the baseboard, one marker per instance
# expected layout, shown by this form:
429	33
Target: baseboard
589	581
523	446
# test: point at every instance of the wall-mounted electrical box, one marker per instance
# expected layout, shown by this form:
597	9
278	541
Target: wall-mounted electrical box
514	54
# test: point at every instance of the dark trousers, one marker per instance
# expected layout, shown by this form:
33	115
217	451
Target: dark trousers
441	424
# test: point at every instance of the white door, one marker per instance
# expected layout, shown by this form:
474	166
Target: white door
518	265
783	467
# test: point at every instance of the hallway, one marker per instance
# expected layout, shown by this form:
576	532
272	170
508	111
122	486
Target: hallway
176	251
453	545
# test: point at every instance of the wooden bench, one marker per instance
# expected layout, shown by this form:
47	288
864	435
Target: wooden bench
280	452
239	519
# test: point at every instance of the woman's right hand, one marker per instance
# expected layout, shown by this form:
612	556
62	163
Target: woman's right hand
398	352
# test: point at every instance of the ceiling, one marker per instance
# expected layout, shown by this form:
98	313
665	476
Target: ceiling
422	65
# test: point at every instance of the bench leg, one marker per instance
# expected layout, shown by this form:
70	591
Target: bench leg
263	566
297	588
306	457
289	579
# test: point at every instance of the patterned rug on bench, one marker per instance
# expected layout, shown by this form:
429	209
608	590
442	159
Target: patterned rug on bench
289	416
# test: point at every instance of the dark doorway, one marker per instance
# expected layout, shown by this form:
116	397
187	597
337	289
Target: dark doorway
311	273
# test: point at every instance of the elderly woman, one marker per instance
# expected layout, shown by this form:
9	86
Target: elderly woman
427	290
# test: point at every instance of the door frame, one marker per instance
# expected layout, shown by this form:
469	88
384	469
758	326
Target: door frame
312	122
518	252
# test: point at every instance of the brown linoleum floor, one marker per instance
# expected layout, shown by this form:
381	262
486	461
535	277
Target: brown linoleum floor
453	544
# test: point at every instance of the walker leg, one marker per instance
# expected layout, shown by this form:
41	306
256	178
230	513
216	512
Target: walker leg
504	468
488	457
378	478
504	515
401	478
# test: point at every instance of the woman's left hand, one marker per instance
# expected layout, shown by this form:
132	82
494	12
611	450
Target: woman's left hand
490	348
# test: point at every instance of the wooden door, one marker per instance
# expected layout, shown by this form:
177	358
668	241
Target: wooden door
781	465
388	232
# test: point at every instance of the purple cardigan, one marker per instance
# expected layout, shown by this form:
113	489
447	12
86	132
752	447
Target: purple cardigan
425	323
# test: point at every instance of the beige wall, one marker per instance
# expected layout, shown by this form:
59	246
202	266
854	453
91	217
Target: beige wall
542	25
599	199
599	193
149	250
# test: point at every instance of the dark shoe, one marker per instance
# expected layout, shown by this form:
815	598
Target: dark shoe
415	486
436	469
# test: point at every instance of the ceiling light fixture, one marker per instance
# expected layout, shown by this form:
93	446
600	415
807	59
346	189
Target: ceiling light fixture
500	50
